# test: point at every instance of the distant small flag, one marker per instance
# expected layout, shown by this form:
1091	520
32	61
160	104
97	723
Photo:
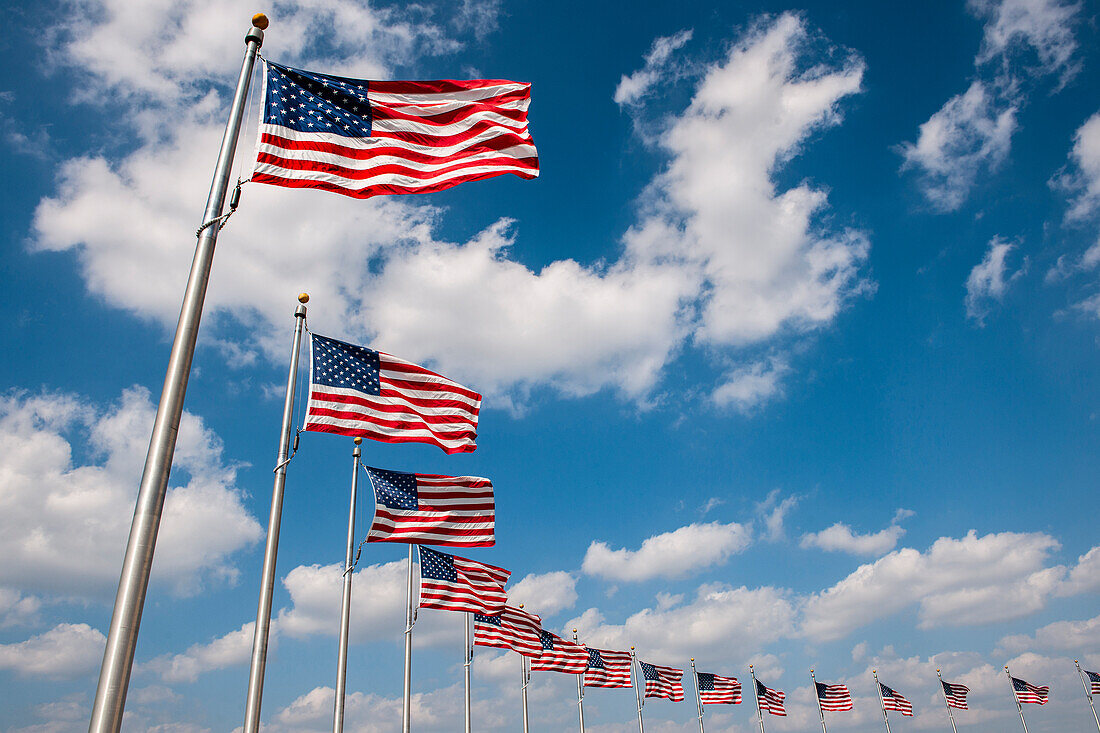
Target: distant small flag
770	700
452	511
357	391
559	655
1094	682
607	668
662	681
892	700
955	694
1026	692
452	583
717	690
834	698
513	629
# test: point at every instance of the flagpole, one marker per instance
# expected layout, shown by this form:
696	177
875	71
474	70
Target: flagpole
580	689
881	702
525	677
118	654
468	655
1088	693
1016	698
637	691
271	550
410	619
345	601
950	715
756	696
820	710
698	697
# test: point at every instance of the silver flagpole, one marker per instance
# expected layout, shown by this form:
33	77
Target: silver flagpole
756	695
820	710
1016	697
345	601
950	715
468	655
637	688
580	689
1088	693
410	619
118	656
271	551
525	676
698	697
881	702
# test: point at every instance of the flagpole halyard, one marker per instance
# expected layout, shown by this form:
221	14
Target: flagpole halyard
118	654
881	702
1016	698
580	689
820	710
345	600
698	696
950	715
1088	693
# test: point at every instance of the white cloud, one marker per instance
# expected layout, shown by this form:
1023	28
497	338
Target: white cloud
773	512
46	493
225	651
545	593
1084	576
65	651
989	279
841	538
1077	637
1041	27
17	609
633	88
750	386
669	555
1085	158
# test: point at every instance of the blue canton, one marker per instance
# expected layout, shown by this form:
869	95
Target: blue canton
649	672
595	661
347	366
309	102
494	620
547	639
394	489
706	681
437	565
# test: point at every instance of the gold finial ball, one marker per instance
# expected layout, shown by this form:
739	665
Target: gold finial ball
358	441
302	297
574	631
259	20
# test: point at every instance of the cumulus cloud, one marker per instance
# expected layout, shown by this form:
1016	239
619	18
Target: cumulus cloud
669	555
17	609
773	514
989	280
545	593
633	88
748	387
841	538
1077	637
225	651
65	651
46	492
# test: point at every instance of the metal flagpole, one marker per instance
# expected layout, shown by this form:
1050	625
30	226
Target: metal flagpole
468	660
271	550
950	715
525	677
118	655
345	601
820	710
756	695
881	702
580	689
637	689
1016	698
698	697
1088	693
410	619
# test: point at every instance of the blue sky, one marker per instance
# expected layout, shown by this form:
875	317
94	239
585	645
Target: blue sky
788	356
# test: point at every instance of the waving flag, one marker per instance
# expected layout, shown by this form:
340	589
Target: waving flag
662	681
364	138
354	390
513	629
1094	682
770	700
717	690
453	511
1026	692
607	668
834	698
892	700
452	583
955	694
559	655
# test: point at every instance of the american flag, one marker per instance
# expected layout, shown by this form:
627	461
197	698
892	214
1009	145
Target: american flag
364	138
770	700
559	655
453	511
607	668
662	681
892	700
452	583
717	690
1026	692
513	629
358	391
955	694
1094	682
834	697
